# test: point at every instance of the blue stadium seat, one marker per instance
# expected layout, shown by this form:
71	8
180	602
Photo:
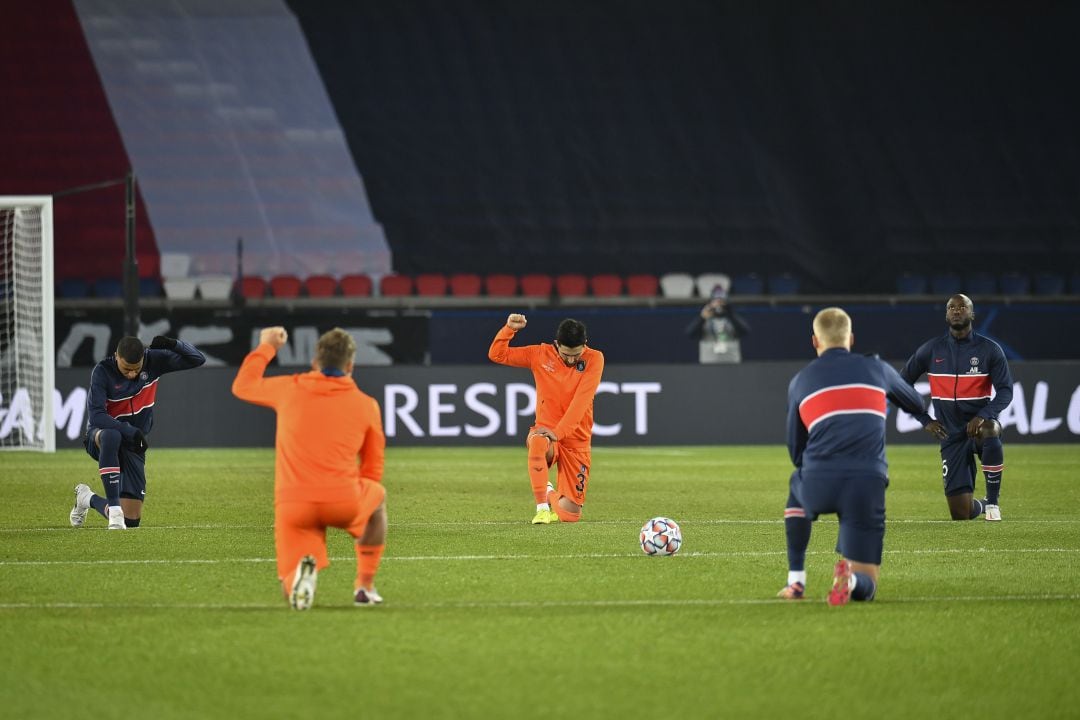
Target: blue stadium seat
911	283
73	288
1074	284
108	288
747	284
1049	283
979	284
149	287
945	284
1014	283
783	284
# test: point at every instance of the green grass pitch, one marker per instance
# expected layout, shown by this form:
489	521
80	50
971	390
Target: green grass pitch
488	616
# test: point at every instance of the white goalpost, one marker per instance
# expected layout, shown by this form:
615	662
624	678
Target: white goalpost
27	354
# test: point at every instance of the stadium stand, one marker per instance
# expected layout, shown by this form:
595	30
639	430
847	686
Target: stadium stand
643	285
465	285
253	287
980	284
677	285
605	285
571	285
395	285
536	285
1015	284
747	284
912	283
945	283
356	286
108	288
501	285
320	286
1049	283
285	286
783	284
707	281
431	285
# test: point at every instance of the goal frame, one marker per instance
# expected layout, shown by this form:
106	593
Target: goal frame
46	424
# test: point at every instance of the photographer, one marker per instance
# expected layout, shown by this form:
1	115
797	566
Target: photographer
718	329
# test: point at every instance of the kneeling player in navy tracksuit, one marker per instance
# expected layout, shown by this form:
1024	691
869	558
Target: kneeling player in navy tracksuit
836	438
119	416
962	366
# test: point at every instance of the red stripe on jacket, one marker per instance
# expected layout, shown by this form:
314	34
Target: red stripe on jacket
134	404
959	387
841	400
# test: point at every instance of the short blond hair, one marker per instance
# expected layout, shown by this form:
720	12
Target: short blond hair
335	349
832	327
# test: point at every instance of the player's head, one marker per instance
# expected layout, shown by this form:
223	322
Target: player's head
570	340
335	349
959	313
832	329
129	357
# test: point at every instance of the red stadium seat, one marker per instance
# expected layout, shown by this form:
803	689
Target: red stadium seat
252	286
642	285
606	285
395	285
431	284
149	266
500	285
536	285
320	286
285	286
465	285
571	285
356	286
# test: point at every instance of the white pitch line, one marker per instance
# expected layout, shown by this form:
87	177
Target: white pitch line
574	556
543	604
523	523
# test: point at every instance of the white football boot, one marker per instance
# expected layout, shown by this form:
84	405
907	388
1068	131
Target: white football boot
303	587
993	513
83	493
116	518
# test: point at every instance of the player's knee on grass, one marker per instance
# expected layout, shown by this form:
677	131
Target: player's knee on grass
567	511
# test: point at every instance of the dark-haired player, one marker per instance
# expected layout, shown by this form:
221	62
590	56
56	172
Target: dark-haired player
962	367
119	417
567	373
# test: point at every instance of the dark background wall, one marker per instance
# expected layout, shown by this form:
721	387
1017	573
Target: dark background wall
844	141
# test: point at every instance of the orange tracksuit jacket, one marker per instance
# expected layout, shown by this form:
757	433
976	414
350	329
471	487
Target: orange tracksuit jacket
564	395
329	432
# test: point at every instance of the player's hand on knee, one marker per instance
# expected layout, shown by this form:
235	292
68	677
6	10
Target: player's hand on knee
274	336
936	429
139	442
974	426
516	321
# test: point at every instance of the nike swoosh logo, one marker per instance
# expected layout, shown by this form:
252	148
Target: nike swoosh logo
939	359
538	469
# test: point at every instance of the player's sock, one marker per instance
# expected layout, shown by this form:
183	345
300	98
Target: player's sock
543	506
100	504
132	522
865	587
109	465
993	463
368	558
976	509
797	533
538	467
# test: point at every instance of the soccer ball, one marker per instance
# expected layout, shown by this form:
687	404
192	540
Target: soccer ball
661	536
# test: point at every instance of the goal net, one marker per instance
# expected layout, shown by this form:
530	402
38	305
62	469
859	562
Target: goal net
27	357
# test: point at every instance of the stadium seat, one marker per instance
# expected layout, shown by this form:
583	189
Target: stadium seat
1014	283
252	287
149	287
979	284
285	286
149	266
356	286
395	285
946	283
912	283
431	284
320	286
606	285
73	288
1074	283
642	285
536	285
108	288
465	285
500	285
783	284
571	285
705	283
677	285
1049	283
747	284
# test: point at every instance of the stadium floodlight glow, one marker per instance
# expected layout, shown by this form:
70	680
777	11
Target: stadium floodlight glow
27	355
